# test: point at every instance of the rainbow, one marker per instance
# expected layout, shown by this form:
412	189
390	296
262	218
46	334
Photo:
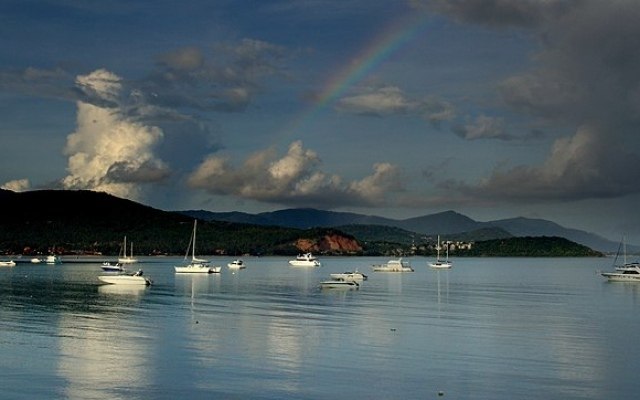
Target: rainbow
394	37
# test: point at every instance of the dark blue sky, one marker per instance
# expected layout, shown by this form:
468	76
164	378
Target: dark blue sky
492	108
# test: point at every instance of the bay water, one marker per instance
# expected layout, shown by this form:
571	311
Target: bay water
489	328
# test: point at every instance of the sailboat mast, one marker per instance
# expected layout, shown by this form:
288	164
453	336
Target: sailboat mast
193	245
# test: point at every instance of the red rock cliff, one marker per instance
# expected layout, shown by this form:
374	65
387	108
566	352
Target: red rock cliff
329	243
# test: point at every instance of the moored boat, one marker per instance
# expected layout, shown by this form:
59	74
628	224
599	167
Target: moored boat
628	274
126	279
625	272
349	276
196	265
127	258
305	260
113	267
438	263
394	265
9	263
236	264
53	259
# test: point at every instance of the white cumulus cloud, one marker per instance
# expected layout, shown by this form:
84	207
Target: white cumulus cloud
109	151
294	179
17	185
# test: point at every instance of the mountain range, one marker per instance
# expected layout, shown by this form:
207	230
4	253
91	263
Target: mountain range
447	223
89	214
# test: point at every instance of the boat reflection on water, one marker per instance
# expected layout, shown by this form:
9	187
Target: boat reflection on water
131	290
439	284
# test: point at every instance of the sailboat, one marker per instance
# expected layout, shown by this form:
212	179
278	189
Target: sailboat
438	263
195	265
125	259
625	265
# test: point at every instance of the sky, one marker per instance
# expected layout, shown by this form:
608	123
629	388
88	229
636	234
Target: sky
491	108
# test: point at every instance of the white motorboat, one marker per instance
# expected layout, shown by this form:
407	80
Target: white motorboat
36	260
350	276
125	258
628	274
196	265
53	259
339	284
113	267
126	279
305	260
438	263
395	265
9	263
236	264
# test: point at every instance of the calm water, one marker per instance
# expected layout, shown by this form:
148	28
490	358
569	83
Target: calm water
487	329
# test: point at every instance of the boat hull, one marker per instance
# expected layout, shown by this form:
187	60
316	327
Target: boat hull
621	277
392	269
336	284
125	280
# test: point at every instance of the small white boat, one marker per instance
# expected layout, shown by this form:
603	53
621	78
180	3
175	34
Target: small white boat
126	279
196	265
350	276
339	284
438	263
305	260
236	264
53	259
9	263
397	265
36	260
113	267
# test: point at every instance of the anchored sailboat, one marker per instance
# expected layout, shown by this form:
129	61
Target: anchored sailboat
195	265
438	263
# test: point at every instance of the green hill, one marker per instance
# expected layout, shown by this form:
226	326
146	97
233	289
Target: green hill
541	246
